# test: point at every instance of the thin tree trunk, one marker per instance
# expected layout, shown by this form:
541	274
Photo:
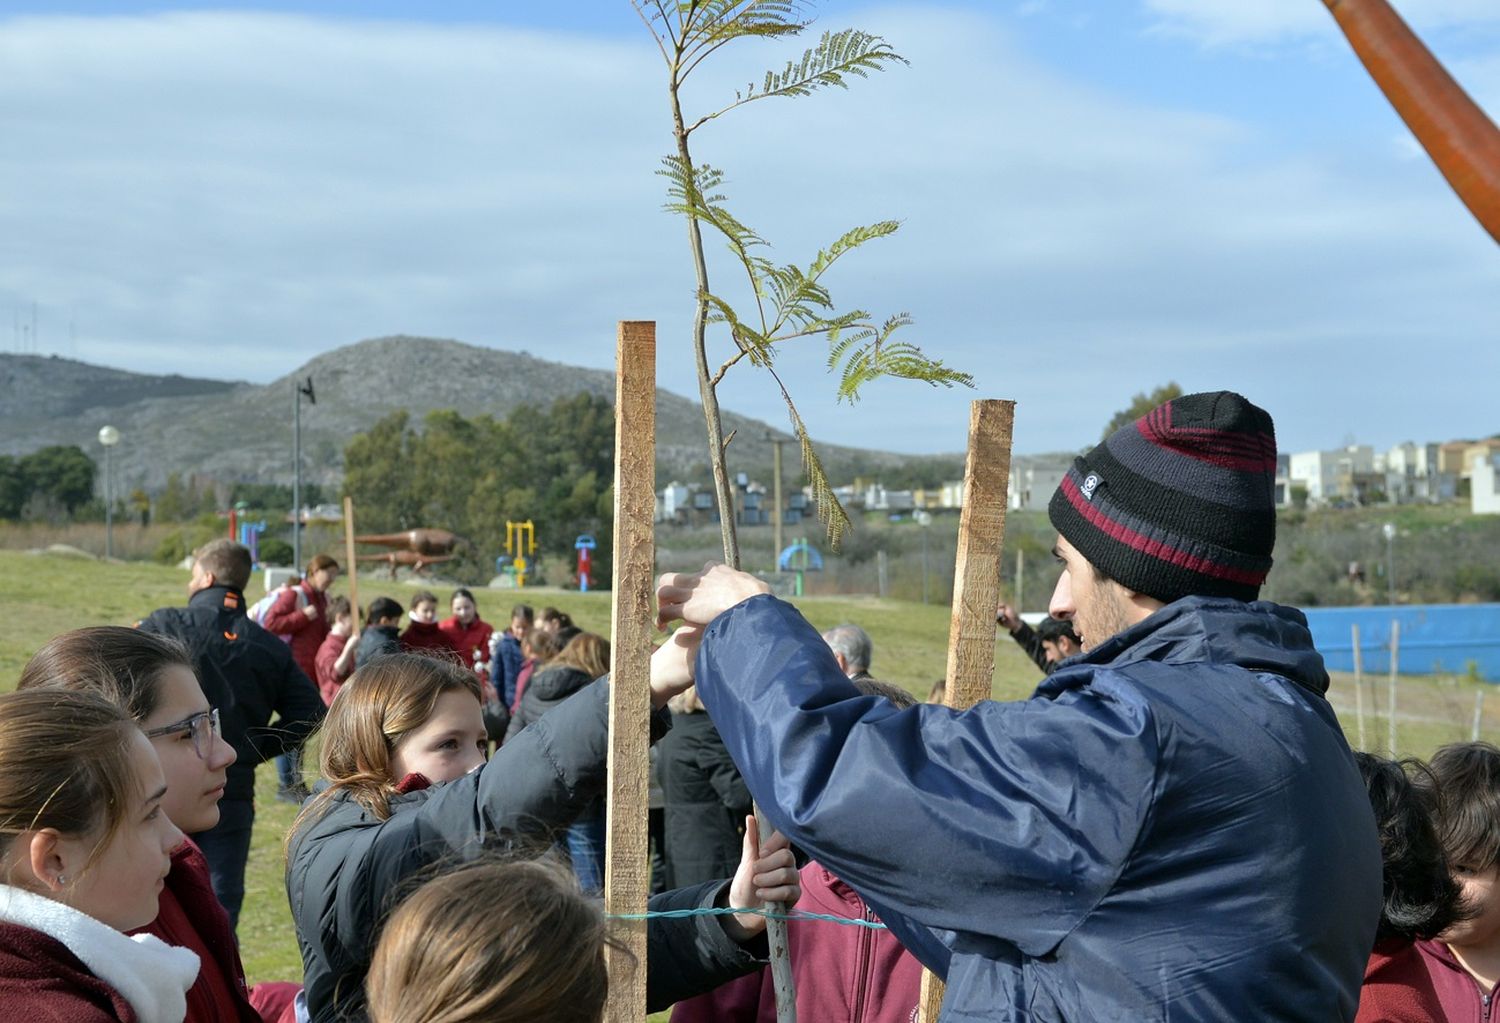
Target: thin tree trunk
776	930
706	393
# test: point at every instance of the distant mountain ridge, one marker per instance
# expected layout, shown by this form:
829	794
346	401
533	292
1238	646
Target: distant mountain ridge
233	431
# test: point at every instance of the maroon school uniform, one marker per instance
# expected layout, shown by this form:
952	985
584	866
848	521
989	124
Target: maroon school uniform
1397	987
41	980
287	618
469	641
427	638
844	974
1463	1000
192	918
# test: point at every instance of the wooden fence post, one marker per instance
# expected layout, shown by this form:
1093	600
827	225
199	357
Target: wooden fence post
353	566
1391	696
976	584
1359	689
627	862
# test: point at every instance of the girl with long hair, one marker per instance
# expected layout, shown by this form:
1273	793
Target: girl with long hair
409	788
85	849
150	679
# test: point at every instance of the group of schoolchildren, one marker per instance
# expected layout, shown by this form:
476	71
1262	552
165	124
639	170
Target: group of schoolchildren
422	876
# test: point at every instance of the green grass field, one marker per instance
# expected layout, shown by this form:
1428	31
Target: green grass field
41	595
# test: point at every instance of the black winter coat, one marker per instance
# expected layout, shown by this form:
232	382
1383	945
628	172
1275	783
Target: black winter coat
347	867
376	641
706	802
547	688
248	674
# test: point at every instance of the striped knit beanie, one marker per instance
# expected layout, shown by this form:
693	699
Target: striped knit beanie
1180	502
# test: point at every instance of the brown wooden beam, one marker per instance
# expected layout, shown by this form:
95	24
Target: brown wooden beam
976	584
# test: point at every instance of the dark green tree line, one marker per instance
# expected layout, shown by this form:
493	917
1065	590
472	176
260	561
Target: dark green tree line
54	483
551	465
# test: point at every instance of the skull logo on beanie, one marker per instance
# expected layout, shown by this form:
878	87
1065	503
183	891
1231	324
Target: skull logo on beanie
1180	502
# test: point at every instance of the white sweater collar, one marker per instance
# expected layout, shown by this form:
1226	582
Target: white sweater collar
151	975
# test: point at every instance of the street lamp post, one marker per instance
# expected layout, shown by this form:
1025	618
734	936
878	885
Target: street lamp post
109	437
924	519
1389	529
300	389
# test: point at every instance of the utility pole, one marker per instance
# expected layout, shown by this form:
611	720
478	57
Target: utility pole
776	512
299	389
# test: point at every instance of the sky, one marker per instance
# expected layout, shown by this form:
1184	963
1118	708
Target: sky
1095	198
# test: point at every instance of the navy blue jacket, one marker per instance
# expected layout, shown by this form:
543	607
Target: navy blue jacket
1171	828
506	668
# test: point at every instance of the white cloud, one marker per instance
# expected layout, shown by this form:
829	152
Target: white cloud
1221	22
227	194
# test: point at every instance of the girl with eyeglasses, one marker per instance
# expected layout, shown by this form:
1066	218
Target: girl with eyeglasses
150	678
84	850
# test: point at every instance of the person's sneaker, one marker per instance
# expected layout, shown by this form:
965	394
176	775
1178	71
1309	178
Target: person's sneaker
296	794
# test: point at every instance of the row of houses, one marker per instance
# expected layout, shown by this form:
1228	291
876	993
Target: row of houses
1353	475
1409	473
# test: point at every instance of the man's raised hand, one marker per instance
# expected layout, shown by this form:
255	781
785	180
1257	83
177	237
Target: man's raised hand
700	597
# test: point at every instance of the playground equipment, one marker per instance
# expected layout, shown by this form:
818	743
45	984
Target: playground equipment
585	546
1461	140
520	540
249	536
800	557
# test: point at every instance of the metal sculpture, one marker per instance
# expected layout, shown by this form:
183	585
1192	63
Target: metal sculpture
414	560
1457	134
417	541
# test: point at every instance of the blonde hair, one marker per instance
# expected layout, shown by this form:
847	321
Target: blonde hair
492	942
65	758
381	703
543	645
586	652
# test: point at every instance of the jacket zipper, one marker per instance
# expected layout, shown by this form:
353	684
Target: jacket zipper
862	978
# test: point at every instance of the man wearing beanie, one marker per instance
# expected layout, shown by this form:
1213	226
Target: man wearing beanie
1171	827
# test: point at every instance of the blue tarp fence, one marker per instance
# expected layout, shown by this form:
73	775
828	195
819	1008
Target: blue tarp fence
1436	639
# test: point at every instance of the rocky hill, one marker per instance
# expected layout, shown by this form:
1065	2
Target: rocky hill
240	432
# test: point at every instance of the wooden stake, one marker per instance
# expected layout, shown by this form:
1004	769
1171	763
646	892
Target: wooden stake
1359	690
1478	715
350	565
1395	662
976	584
627	863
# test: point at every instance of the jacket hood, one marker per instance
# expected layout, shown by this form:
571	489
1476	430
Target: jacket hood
557	683
1257	636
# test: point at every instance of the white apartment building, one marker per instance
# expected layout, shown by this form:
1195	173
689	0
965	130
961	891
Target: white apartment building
1331	475
1413	475
1484	483
1034	480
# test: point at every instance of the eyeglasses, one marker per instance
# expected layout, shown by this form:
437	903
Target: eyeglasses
203	727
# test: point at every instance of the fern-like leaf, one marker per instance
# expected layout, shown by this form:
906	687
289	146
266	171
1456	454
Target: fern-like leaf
837	56
869	353
835	518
